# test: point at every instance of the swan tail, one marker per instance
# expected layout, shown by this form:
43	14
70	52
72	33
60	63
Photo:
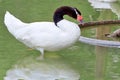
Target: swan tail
12	23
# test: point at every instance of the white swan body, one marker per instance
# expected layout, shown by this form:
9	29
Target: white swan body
43	35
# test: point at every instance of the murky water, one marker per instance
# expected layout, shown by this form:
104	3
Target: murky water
79	62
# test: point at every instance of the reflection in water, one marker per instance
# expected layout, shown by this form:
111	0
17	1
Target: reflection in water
101	52
113	68
107	0
49	69
114	7
104	29
114	71
99	4
100	62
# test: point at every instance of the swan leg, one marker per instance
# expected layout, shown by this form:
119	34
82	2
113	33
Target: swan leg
42	51
42	54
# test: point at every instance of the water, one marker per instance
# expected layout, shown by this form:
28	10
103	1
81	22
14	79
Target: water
49	69
79	62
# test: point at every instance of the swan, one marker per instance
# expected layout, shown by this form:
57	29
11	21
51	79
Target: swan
49	36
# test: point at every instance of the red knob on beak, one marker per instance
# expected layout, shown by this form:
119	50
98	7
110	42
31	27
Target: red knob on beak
80	19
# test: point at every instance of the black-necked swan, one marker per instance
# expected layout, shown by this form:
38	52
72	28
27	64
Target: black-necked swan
50	36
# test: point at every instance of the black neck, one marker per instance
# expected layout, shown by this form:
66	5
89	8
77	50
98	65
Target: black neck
60	12
57	17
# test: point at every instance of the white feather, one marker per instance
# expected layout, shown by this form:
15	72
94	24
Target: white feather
43	35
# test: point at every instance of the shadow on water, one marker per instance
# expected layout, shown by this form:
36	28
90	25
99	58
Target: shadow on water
49	69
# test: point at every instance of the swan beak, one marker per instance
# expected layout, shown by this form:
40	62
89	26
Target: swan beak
80	19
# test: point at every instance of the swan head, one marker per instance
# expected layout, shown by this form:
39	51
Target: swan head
66	10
